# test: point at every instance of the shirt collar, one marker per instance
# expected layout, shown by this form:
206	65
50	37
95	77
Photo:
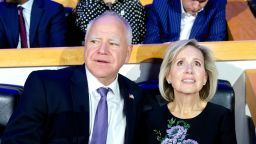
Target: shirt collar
94	83
27	5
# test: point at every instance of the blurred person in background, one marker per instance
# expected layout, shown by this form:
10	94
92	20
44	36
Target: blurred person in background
32	23
172	20
131	10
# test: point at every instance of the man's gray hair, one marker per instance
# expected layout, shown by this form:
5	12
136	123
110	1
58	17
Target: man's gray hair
111	13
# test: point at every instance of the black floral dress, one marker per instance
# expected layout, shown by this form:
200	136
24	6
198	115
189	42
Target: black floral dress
214	125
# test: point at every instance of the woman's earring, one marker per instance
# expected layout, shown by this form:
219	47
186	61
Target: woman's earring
169	82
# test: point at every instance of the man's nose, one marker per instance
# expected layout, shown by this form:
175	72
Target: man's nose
103	47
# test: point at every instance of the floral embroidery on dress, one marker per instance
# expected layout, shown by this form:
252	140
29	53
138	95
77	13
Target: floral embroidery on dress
176	133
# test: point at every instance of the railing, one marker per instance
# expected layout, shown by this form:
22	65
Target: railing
224	51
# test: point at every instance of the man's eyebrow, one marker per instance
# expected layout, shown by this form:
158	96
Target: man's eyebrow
115	39
93	37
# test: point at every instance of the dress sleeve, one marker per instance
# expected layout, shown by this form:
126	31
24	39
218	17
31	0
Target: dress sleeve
228	134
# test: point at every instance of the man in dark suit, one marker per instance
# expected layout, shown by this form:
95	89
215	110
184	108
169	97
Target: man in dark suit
172	20
59	106
44	20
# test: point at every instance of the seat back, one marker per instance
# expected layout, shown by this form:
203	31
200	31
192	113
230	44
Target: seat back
224	95
9	96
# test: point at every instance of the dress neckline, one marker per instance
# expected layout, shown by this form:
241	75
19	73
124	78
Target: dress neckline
166	110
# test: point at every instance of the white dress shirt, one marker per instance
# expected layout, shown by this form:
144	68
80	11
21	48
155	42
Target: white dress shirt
187	21
27	8
116	115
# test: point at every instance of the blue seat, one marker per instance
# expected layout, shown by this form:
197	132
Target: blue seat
9	96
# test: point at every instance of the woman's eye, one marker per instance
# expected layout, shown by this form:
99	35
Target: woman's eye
179	63
197	63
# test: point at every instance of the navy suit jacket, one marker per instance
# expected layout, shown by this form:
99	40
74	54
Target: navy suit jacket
55	108
164	19
47	25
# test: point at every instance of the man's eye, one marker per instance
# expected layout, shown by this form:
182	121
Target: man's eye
93	41
114	44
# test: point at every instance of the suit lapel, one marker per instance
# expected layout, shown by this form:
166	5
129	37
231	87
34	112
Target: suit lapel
199	21
80	95
129	109
37	11
174	18
12	26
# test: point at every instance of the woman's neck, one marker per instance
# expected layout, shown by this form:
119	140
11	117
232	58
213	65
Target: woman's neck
186	107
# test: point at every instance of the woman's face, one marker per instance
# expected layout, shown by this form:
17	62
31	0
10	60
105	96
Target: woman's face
187	74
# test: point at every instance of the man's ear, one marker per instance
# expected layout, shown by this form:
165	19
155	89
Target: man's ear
129	52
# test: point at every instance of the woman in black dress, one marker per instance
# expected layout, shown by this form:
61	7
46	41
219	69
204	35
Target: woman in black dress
187	81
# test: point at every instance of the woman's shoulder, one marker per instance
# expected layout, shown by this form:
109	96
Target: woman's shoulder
217	110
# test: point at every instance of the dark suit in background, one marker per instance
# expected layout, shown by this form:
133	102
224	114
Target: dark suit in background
47	25
164	20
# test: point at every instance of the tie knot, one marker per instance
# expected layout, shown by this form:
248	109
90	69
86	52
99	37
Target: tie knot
20	9
103	91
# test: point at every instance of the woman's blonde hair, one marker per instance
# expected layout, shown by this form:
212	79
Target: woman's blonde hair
208	90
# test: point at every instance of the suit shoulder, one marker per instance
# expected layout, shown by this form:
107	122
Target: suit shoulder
160	3
217	3
128	82
49	4
53	74
55	3
4	6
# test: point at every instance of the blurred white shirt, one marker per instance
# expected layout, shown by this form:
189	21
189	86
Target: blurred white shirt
187	21
27	8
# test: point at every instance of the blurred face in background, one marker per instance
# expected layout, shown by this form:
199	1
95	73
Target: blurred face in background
193	6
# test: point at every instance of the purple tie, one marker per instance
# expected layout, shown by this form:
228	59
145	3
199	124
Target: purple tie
100	128
23	35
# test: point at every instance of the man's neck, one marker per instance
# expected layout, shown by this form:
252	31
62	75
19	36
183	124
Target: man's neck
22	2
